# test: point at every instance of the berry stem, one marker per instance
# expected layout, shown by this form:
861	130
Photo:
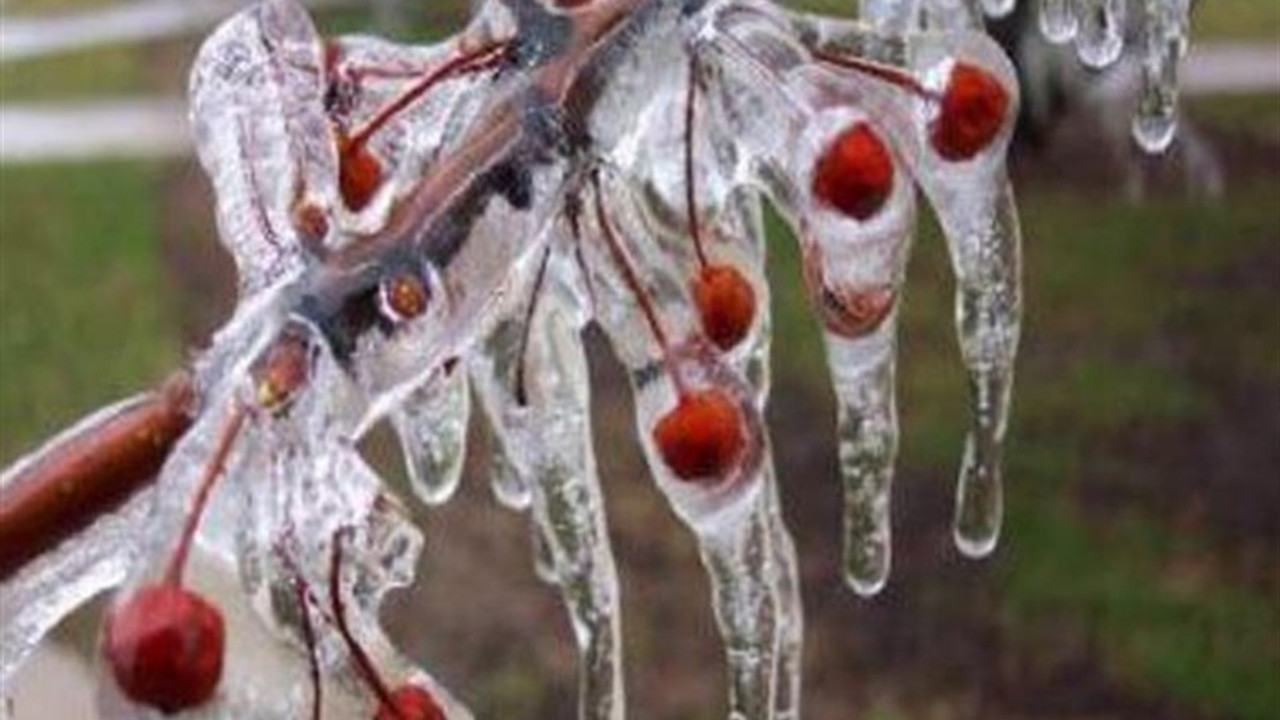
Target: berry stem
91	473
304	598
358	654
620	259
214	468
690	103
879	71
309	637
474	61
521	393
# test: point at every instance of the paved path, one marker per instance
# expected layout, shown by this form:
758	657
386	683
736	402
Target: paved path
158	127
29	37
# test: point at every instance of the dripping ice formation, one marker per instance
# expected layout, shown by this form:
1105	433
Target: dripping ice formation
1157	30
424	231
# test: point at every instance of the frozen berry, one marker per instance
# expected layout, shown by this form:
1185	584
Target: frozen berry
165	647
854	174
726	304
702	437
972	111
411	703
359	174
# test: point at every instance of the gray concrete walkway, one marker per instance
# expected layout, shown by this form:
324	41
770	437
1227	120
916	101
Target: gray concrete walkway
158	127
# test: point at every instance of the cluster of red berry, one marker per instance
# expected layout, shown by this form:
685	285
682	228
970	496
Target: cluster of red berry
702	436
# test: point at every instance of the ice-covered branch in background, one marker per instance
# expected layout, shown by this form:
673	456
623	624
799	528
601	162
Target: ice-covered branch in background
412	224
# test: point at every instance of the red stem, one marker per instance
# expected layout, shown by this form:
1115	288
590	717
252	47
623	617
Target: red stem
880	71
695	231
473	61
212	470
303	595
629	276
522	395
362	660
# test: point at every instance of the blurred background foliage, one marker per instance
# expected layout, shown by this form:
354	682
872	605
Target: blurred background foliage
1139	576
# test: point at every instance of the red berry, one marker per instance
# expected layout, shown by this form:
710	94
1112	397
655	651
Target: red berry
359	174
411	703
973	109
702	437
726	303
855	172
165	647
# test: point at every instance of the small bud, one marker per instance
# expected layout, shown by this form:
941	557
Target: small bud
702	436
310	222
282	371
165	647
972	111
726	304
854	174
403	296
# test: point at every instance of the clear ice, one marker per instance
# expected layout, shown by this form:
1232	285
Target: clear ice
538	173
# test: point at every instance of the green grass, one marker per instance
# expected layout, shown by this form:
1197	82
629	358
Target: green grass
85	304
1255	20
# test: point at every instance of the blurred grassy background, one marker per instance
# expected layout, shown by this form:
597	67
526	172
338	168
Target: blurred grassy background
1140	571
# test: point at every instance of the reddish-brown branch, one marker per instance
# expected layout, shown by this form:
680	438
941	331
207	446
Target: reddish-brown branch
690	191
91	474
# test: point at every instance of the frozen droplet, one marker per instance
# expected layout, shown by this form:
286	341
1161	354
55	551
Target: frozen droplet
998	8
1100	38
1155	119
432	425
1058	21
1154	130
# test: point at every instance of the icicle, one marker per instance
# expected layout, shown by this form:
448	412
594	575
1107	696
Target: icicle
569	510
1155	119
1100	38
432	425
1058	21
533	380
863	371
740	565
790	607
998	8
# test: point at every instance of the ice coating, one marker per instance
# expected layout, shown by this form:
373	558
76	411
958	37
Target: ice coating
256	108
